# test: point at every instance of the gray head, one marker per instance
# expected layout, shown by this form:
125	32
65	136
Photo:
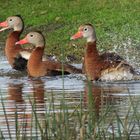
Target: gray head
35	38
13	22
86	31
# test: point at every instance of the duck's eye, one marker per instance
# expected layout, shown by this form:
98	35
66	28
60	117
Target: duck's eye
31	35
85	29
10	19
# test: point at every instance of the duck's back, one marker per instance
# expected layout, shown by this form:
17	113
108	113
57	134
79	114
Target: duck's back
117	68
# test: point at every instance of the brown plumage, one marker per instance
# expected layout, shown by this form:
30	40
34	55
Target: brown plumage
36	67
107	66
15	53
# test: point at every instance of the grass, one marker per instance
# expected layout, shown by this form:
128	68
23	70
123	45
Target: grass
116	21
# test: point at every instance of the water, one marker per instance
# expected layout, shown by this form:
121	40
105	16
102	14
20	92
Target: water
21	96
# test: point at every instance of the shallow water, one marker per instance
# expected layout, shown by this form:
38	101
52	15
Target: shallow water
19	93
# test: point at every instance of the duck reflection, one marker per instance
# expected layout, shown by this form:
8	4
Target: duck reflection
13	110
38	92
92	97
97	95
37	101
15	99
21	111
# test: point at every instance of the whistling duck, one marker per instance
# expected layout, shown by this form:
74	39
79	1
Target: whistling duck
36	67
16	56
107	66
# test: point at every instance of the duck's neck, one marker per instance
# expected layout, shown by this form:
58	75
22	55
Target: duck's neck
91	50
92	61
12	50
36	56
13	37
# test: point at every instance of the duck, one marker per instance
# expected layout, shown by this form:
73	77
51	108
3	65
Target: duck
16	55
102	67
38	68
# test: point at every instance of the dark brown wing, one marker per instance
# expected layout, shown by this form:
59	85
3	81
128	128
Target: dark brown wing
116	61
111	57
55	68
56	72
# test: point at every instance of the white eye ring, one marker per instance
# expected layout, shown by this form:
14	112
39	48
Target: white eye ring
10	19
85	29
31	35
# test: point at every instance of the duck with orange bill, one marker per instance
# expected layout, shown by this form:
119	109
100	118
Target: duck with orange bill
36	67
106	66
16	55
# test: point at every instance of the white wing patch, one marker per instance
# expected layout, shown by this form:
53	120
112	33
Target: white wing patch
25	54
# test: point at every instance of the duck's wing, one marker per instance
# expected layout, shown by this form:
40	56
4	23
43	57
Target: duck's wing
111	57
56	67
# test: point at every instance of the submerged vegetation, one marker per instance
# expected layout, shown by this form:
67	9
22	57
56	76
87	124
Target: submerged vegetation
116	22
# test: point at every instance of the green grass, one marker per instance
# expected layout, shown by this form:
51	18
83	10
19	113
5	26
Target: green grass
116	21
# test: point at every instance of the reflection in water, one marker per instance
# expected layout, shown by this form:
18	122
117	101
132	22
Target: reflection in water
15	97
101	95
93	93
20	111
27	103
12	109
38	90
123	101
38	103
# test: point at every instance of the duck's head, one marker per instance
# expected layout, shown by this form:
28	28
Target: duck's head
35	38
86	31
14	22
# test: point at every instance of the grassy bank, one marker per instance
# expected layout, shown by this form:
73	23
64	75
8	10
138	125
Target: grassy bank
116	21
